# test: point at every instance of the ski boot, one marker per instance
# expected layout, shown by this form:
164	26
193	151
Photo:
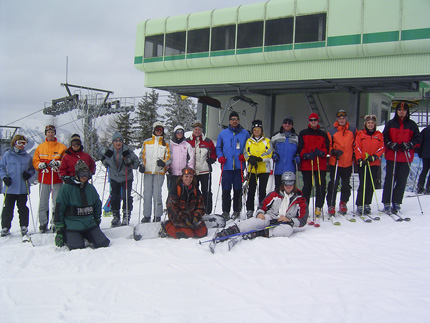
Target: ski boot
226	216
343	208
331	210
43	228
125	218
360	210
157	219
145	219
116	221
228	232
420	190
367	209
395	208
24	230
5	232
235	215
249	214
387	208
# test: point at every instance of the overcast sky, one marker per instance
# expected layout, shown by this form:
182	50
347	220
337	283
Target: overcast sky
97	36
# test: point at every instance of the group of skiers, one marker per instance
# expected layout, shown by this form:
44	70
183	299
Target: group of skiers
246	160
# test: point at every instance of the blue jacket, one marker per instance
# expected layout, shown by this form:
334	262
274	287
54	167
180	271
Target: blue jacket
12	165
230	144
285	145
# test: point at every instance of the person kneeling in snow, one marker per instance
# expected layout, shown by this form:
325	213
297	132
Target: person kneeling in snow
186	208
78	212
285	209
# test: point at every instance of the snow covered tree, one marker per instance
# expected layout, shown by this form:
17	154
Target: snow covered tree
179	112
146	115
125	128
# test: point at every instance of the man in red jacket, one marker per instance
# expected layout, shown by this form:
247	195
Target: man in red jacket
401	135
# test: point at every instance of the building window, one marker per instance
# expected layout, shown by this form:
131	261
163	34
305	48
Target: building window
310	28
279	31
175	44
154	46
223	37
250	34
198	41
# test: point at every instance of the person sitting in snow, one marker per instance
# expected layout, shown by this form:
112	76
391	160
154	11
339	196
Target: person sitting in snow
78	212
185	208
285	210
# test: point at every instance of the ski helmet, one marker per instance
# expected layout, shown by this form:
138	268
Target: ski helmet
288	178
157	124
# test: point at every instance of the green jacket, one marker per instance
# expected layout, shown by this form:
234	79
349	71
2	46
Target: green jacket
78	208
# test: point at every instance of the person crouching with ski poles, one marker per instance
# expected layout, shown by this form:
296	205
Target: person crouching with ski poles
185	208
15	170
121	161
282	212
78	212
369	147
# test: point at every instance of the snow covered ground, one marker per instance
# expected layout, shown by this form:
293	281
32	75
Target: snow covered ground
356	272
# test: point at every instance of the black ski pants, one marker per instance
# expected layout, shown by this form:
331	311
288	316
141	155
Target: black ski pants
117	192
320	189
368	191
206	190
400	178
9	205
262	178
344	176
75	239
423	175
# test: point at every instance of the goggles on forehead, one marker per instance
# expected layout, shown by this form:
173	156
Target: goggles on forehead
20	142
50	127
288	183
341	114
370	117
188	171
197	124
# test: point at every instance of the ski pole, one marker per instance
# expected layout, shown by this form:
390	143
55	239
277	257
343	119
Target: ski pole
364	188
409	164
313	186
141	197
353	190
126	192
219	186
297	176
373	185
104	186
319	186
333	196
31	208
392	178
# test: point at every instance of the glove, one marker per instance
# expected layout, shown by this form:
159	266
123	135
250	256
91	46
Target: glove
320	153
360	162
309	156
59	237
7	181
161	163
108	153
253	161
242	158
222	160
210	161
68	180
393	145
337	153
42	165
127	161
54	163
296	160
406	146
372	158
141	168
275	157
26	176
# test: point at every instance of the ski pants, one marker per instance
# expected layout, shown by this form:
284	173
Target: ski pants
171	182
118	191
9	204
423	175
320	189
231	178
282	230
45	191
75	239
368	192
400	178
206	190
152	185
262	178
344	176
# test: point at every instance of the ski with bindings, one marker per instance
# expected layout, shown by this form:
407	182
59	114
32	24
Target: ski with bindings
334	220
349	218
315	223
234	241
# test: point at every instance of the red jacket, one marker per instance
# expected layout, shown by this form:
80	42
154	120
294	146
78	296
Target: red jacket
369	144
67	167
309	140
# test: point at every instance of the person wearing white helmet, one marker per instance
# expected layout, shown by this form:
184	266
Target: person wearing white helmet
181	154
155	157
284	210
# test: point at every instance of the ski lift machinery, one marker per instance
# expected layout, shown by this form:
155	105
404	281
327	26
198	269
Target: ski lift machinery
251	104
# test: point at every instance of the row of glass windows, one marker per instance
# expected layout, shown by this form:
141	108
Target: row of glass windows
277	32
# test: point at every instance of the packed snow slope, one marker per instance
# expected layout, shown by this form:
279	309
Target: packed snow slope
356	272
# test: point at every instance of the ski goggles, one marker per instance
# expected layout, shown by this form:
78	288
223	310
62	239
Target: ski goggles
197	124
341	114
83	173
188	171
50	127
158	129
288	183
370	117
20	142
179	131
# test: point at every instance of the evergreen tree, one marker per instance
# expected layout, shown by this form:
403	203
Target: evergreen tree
179	112
125	128
146	115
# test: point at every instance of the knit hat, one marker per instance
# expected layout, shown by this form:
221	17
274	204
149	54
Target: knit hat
157	124
288	119
314	116
17	138
178	127
233	114
117	135
82	169
257	124
50	127
75	137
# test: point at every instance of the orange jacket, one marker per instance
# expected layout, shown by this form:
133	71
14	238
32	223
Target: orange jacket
342	138
368	145
44	153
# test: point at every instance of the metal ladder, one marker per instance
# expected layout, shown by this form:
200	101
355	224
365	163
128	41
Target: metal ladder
315	108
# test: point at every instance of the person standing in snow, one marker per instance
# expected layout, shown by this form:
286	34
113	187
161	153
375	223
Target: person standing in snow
285	209
78	212
185	208
369	147
204	157
155	157
424	153
401	135
15	170
181	154
284	143
47	160
229	149
341	138
71	157
121	161
258	153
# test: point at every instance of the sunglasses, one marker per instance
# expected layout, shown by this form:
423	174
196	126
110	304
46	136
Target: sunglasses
116	140
340	114
313	120
370	117
77	144
288	183
288	122
21	143
234	119
188	172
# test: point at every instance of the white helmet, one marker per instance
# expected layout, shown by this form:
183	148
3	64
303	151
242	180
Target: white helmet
178	127
157	124
288	178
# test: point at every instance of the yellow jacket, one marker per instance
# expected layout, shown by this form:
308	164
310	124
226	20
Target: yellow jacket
153	149
260	147
44	153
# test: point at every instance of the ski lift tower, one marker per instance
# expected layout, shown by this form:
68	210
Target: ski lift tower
91	106
6	139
